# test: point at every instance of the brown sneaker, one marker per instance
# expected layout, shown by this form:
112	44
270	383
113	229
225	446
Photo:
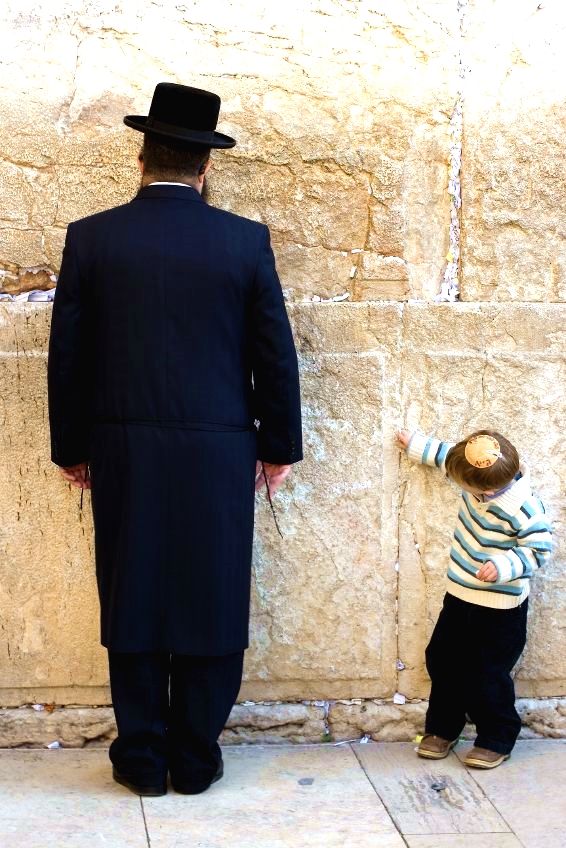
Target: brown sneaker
435	747
483	758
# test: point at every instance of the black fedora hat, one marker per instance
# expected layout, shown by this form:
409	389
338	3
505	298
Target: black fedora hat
183	113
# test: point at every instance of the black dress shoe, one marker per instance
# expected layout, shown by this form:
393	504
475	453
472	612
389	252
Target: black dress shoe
196	789
146	789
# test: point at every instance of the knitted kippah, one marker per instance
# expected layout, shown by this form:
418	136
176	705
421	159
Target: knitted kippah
482	451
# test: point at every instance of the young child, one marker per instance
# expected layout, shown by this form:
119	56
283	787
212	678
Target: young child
502	536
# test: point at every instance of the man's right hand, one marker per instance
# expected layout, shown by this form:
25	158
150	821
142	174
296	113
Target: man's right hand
77	475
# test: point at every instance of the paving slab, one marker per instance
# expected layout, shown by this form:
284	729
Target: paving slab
465	840
359	796
428	796
65	799
308	796
529	790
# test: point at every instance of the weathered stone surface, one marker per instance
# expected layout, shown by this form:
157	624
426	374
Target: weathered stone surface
268	723
331	615
23	248
27	280
513	182
341	114
341	111
305	582
71	727
381	721
274	722
466	367
543	717
48	613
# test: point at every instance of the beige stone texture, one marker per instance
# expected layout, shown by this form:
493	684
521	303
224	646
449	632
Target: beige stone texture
275	723
72	727
303	582
331	610
49	632
380	721
540	825
406	784
469	366
513	182
341	110
542	717
278	797
36	725
341	114
359	796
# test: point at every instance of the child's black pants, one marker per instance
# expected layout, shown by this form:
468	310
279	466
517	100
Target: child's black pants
469	659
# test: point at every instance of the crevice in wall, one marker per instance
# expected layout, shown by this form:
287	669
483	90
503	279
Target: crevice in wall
35	283
450	285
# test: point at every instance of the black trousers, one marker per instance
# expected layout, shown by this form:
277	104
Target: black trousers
469	659
170	711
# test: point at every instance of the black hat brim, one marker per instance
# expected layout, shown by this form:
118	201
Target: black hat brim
214	139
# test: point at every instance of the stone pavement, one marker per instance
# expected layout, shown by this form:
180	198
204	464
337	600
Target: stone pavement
378	795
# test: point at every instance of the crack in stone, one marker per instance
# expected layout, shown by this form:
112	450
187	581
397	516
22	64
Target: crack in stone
450	288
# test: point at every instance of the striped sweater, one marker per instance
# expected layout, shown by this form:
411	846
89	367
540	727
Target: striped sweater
510	529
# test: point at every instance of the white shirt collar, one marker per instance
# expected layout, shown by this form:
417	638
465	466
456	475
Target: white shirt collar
185	185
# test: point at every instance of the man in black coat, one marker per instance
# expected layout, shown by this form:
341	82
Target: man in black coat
173	393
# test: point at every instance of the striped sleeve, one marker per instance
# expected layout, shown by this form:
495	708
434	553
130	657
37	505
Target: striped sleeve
533	548
428	450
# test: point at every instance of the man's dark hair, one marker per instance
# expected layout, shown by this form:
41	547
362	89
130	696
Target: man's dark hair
172	161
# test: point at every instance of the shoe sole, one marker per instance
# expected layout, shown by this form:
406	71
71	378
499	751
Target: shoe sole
142	791
198	791
435	755
484	764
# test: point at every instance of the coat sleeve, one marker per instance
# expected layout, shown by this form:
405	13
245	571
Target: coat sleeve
70	363
277	402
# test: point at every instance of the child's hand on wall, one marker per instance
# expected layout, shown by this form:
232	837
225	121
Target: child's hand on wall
402	438
487	573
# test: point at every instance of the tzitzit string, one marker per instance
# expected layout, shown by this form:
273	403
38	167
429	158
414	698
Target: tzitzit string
269	499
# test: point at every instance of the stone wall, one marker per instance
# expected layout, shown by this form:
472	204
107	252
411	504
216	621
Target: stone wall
342	109
513	160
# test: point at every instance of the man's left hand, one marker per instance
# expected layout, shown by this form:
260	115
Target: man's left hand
276	476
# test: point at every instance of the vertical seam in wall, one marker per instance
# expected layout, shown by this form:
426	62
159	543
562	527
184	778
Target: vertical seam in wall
450	286
398	508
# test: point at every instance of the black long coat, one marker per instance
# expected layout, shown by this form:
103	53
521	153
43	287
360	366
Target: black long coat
169	339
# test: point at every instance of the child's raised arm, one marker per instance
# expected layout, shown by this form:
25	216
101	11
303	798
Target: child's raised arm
420	448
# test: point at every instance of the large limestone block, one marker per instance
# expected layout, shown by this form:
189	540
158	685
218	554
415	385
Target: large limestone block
274	722
513	182
323	611
466	367
323	622
341	112
72	727
48	611
331	615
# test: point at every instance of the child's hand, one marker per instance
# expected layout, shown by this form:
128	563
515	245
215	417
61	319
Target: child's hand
403	437
487	573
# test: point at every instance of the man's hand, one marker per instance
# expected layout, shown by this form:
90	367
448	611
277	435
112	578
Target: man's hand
276	476
77	475
487	573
